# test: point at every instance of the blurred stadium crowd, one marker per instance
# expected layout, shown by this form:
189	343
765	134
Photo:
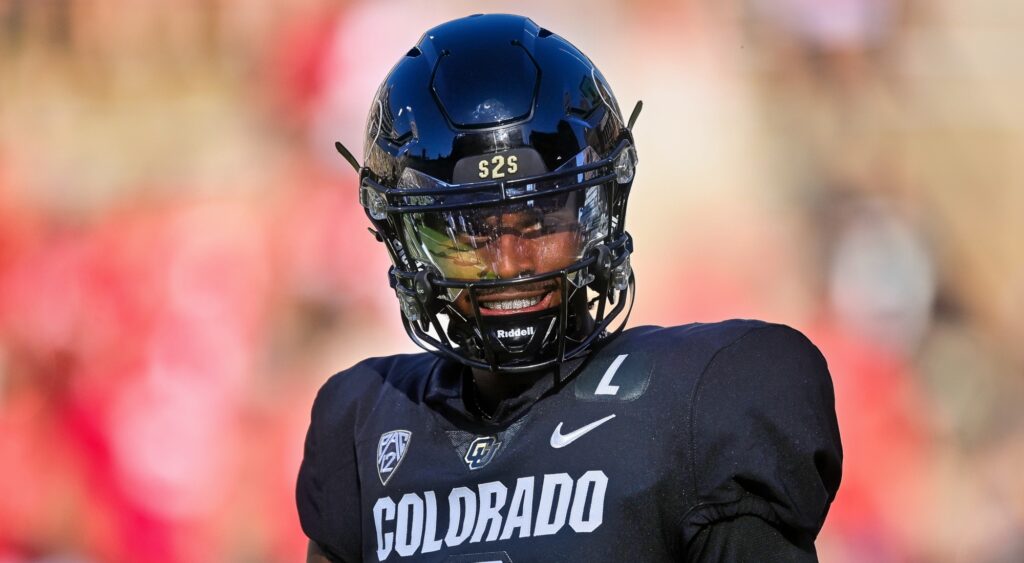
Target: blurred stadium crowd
183	260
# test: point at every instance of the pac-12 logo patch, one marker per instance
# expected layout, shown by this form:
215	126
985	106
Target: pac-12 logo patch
390	450
481	451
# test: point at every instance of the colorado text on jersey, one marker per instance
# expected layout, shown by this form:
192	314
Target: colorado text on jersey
486	514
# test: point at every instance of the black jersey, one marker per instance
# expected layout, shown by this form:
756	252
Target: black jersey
662	434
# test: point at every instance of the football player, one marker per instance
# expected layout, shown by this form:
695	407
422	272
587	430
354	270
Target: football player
497	171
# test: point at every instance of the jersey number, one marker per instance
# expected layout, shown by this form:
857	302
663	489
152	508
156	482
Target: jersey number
605	387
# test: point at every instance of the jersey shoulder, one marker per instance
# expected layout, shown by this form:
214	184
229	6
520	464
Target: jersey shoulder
361	385
694	335
763	432
691	350
747	411
668	360
326	487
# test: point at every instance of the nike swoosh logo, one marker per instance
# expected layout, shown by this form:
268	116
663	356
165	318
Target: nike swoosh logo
559	440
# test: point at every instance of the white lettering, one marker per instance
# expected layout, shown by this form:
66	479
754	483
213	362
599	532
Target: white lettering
383	510
410	515
515	332
548	523
492	500
520	511
481	514
430	541
593	519
460	528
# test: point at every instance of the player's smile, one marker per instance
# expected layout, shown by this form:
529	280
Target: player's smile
516	302
513	300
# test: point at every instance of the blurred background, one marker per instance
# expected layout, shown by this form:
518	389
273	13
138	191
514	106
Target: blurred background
183	260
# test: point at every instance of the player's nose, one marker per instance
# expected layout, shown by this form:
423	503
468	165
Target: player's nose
514	257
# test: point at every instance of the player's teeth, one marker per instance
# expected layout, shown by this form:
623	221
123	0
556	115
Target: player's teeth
513	304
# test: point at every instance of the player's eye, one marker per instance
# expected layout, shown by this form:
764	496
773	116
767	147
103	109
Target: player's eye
533	230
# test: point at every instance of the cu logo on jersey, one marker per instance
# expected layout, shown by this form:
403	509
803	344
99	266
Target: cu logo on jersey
390	451
481	452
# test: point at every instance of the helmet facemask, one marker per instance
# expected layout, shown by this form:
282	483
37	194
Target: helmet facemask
510	276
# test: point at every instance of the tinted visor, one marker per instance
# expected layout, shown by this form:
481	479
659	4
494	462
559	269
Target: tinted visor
521	238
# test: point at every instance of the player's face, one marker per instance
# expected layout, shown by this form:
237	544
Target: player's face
523	238
515	245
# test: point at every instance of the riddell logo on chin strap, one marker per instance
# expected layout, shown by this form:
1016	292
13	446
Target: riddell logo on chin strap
516	332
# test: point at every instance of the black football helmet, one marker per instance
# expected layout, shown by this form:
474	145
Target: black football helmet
497	168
